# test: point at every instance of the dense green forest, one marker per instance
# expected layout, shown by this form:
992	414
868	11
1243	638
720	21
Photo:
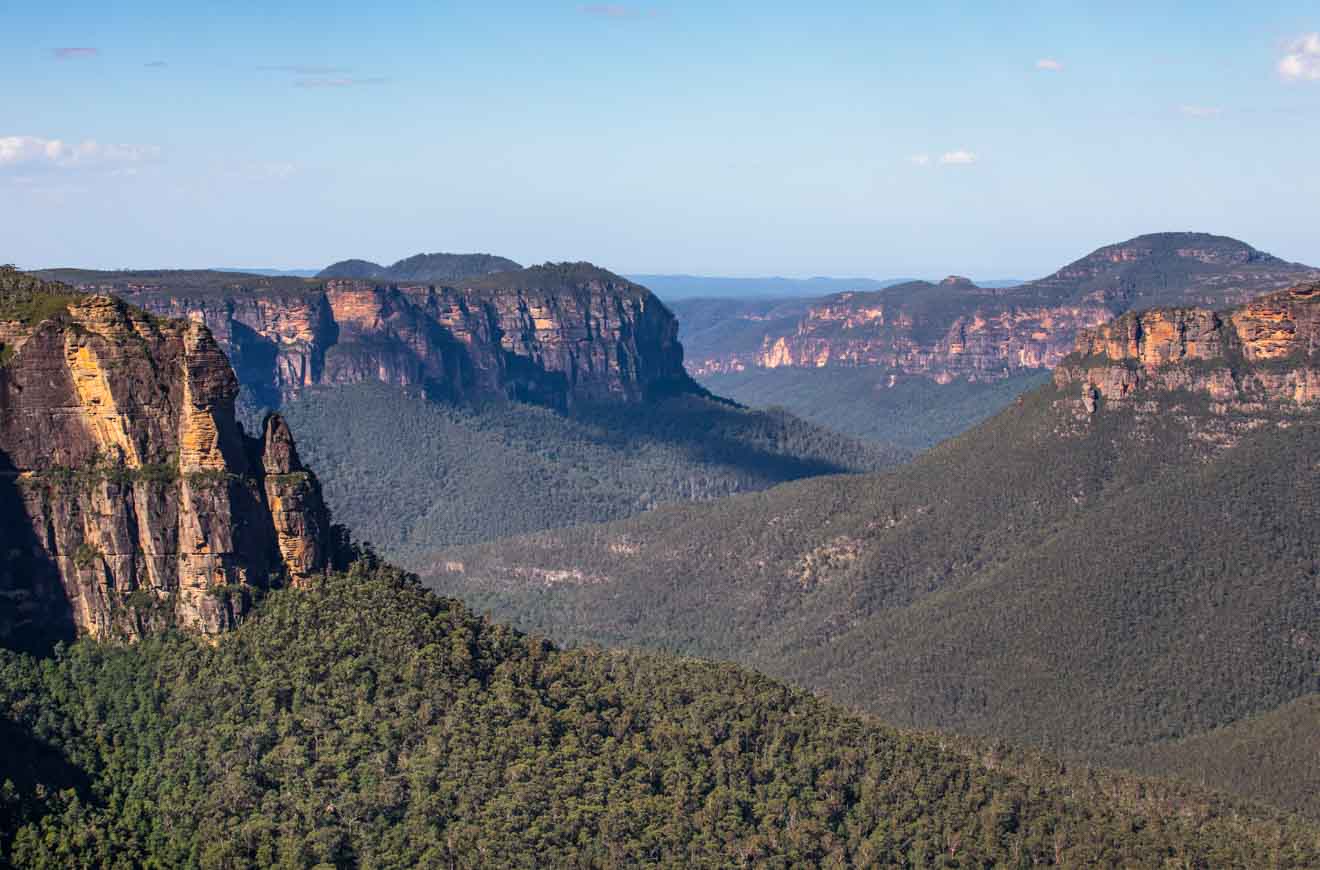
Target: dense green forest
411	475
366	722
1274	756
1080	585
913	412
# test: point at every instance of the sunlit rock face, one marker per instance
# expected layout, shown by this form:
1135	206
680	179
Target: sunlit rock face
1254	363
130	498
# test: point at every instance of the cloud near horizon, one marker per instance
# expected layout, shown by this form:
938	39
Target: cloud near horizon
74	52
37	151
1049	64
1301	59
961	157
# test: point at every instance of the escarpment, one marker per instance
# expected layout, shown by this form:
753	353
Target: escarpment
130	498
1253	363
555	334
955	329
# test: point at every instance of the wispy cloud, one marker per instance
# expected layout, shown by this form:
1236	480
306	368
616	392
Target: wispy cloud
1200	111
305	69
35	151
614	10
1049	64
271	170
960	157
156	64
340	82
919	160
1301	59
74	52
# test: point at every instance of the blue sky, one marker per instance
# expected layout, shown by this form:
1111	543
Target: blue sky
738	138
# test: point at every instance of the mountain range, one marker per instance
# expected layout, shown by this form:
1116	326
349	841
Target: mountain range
917	363
289	700
955	328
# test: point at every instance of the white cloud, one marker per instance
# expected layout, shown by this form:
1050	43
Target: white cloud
34	150
1049	64
1201	111
960	157
1301	59
919	160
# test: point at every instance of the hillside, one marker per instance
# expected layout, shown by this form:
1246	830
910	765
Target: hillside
411	475
1126	555
425	268
1271	756
910	411
365	722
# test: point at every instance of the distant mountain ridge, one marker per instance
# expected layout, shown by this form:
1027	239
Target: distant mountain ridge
440	268
956	328
678	286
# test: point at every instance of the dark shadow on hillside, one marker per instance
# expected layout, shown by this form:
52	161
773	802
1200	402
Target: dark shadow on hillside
34	610
713	431
30	762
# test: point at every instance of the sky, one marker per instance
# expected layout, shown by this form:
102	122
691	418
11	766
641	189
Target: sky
987	139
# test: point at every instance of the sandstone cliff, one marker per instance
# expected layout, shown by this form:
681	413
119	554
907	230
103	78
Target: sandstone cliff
555	334
956	329
1246	365
130	498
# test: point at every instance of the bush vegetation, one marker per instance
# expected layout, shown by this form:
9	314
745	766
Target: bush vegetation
914	412
411	475
366	722
1079	585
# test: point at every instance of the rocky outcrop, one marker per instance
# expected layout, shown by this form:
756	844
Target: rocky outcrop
1259	360
555	334
954	329
130	498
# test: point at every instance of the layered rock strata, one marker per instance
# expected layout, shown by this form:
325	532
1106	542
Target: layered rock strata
555	335
1262	358
130	498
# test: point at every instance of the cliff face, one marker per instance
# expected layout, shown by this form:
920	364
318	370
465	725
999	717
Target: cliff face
956	329
988	341
130	498
1254	363
552	334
